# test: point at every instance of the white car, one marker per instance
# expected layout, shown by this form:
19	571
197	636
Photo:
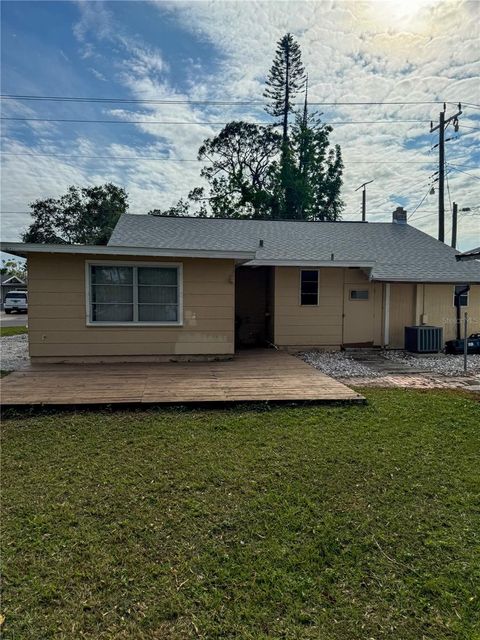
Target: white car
16	301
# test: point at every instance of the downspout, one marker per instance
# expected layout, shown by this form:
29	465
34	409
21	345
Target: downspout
386	317
462	292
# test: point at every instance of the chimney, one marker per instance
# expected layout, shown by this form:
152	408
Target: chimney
399	216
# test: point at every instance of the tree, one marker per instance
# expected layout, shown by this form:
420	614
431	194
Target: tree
316	179
285	80
15	268
182	208
81	216
240	173
253	171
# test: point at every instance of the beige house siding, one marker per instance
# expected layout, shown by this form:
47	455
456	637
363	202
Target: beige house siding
57	313
436	301
58	329
297	325
362	319
323	325
430	304
402	312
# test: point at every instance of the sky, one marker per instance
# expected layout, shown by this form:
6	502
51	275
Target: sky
415	51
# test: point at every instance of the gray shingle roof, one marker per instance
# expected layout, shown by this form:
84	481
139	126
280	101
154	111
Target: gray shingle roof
396	251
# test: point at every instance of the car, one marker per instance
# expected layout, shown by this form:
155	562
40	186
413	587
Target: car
16	301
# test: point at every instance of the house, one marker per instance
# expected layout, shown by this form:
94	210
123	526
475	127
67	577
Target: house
172	288
473	254
10	283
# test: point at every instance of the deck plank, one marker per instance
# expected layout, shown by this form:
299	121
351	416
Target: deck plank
252	376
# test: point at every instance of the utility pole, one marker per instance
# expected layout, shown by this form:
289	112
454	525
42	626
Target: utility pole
364	199
454	225
441	126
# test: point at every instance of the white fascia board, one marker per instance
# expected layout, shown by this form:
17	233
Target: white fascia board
8	281
311	263
23	249
453	280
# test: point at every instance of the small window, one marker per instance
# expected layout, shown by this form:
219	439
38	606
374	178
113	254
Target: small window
309	288
122	294
463	297
358	294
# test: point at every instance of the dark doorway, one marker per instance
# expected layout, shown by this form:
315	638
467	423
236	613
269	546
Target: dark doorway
253	306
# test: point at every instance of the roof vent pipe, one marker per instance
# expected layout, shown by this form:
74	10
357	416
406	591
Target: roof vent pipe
260	243
399	216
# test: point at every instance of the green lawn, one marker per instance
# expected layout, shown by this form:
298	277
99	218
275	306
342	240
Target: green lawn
12	331
334	523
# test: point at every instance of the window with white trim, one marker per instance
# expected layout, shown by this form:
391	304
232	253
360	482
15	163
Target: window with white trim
121	293
309	287
463	297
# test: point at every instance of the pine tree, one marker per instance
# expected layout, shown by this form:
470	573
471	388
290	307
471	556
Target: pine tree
319	169
286	79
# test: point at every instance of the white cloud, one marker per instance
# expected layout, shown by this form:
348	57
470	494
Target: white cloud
98	74
369	51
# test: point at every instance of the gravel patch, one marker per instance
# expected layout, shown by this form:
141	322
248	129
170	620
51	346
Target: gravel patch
338	364
14	352
445	365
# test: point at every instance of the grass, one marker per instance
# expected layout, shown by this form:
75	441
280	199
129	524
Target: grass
12	331
307	523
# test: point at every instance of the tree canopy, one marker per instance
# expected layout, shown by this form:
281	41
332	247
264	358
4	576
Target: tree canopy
253	171
285	80
13	267
80	216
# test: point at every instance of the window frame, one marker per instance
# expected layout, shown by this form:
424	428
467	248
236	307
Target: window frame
133	323
352	299
300	288
464	294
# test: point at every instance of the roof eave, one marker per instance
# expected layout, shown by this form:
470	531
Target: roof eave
461	278
311	263
24	249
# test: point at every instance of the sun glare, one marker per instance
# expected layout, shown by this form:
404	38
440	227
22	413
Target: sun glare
398	13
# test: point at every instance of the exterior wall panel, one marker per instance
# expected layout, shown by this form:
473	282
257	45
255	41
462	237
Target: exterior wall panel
57	313
402	312
297	325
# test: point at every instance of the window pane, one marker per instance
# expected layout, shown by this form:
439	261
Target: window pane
309	299
112	293
157	275
111	275
309	276
151	294
463	298
310	287
112	312
157	312
359	294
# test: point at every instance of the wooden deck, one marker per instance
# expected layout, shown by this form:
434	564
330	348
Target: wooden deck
252	376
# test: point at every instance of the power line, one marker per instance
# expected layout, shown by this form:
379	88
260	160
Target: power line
419	204
59	155
164	159
170	122
379	213
454	168
10	96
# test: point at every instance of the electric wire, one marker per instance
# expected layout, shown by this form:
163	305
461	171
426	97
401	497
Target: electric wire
93	99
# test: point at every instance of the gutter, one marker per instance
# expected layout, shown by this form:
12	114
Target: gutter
23	249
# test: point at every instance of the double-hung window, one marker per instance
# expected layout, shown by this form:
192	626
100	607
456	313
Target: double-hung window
463	298
309	287
142	294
